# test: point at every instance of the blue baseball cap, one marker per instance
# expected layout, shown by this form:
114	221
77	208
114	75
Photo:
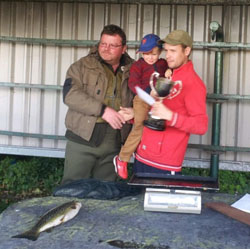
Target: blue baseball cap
148	42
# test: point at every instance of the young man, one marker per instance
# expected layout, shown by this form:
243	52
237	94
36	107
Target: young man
140	73
185	112
95	88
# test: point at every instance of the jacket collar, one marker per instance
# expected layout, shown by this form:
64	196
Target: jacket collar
185	67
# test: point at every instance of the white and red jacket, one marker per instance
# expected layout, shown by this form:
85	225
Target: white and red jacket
166	149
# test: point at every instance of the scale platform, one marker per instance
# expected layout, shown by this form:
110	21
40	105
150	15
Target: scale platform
171	200
173	193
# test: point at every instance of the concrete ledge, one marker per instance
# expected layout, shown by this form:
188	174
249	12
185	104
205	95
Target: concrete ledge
224	165
59	153
32	151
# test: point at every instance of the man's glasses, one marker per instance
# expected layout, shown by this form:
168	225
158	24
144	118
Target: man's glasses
111	46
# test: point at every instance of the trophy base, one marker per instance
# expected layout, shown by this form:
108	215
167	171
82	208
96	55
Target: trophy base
155	124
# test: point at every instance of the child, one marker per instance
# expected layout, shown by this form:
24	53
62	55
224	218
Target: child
140	73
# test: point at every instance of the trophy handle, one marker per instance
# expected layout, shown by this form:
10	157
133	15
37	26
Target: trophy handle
151	81
178	82
175	90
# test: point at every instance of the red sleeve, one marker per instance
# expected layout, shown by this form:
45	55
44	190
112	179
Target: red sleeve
196	119
135	76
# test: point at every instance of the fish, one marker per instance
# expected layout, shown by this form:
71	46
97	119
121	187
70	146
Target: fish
52	218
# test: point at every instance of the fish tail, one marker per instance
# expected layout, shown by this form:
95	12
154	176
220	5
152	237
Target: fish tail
31	235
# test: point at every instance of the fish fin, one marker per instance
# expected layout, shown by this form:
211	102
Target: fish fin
62	219
31	235
73	206
49	230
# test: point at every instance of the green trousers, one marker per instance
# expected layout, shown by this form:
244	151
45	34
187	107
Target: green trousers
83	161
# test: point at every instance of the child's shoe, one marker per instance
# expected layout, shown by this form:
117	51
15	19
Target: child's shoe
120	167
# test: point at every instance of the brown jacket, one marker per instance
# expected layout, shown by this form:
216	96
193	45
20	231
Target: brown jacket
84	92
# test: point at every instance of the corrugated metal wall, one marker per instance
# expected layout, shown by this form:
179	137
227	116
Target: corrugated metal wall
30	110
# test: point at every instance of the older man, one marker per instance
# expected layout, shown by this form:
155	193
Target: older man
95	88
184	111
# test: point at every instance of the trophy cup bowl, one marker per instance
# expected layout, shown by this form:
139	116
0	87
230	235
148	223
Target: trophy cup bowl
162	87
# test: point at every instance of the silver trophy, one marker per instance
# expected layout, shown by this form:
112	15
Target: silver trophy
164	87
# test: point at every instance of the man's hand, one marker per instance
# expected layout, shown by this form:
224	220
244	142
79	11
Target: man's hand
114	118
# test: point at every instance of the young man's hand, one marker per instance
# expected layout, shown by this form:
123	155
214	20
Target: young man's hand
161	111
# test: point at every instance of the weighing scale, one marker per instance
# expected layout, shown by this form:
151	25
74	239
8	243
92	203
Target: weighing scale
173	193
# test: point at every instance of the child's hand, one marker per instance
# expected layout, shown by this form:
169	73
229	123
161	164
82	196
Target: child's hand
126	112
154	94
168	73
